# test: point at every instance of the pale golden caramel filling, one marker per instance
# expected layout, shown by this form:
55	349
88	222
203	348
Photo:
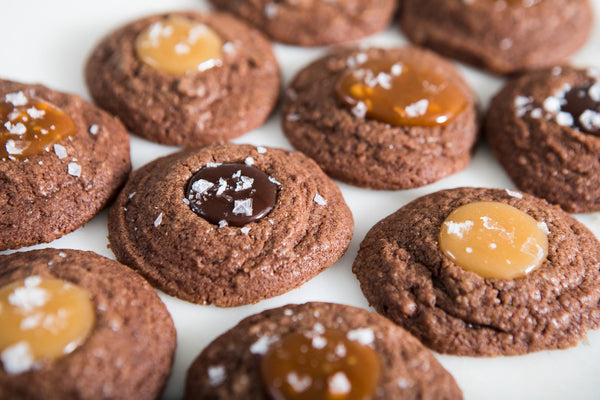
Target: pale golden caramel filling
322	364
29	126
178	45
401	92
42	319
494	240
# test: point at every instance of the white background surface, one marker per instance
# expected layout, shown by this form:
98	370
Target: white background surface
49	41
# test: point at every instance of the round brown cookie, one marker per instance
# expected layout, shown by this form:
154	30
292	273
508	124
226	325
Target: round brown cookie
235	94
128	353
544	128
154	228
53	184
364	151
405	275
313	22
230	367
502	36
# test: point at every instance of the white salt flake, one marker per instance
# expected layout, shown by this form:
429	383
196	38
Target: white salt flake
396	69
512	193
186	201
237	174
594	91
35	113
340	350
74	169
216	375
69	348
245	230
16	99
12	147
261	149
62	255
244	183
417	109
31	322
261	346
130	196
94	129
403	383
590	120
222	187
212	164
223	223
458	228
384	80
182	48
319	200
249	161
293	117
536	113
242	207
17	358
270	10
228	48
28	298
542	225
359	110
16	129
339	384
363	336
299	383
208	64
319	342
32	281
158	220
552	104
201	186
506	44
275	181
564	119
60	151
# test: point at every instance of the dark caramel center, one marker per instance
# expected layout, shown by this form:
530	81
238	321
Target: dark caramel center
231	194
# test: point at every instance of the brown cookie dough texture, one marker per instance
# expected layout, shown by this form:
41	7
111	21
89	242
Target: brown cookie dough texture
409	370
366	152
542	154
313	22
129	352
153	230
196	108
405	275
502	36
45	196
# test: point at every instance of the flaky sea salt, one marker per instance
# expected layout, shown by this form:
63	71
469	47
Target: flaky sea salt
216	375
17	358
363	336
16	99
242	207
60	151
158	220
319	200
74	169
339	384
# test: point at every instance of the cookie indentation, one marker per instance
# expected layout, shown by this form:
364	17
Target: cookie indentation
42	319
323	363
235	193
178	45
29	126
494	240
401	92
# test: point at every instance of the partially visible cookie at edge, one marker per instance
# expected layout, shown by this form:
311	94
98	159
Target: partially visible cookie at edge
230	90
544	129
500	36
246	251
62	160
313	22
232	366
407	277
128	353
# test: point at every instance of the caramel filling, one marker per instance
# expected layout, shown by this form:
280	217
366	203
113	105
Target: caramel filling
322	364
178	45
29	126
44	318
401	92
494	240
